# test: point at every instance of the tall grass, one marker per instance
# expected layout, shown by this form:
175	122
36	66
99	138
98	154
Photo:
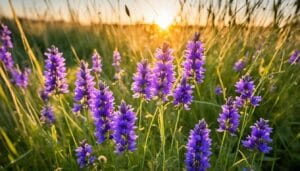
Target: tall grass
26	144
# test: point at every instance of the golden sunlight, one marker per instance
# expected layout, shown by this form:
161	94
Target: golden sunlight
164	20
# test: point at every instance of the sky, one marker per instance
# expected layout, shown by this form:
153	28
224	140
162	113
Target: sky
144	11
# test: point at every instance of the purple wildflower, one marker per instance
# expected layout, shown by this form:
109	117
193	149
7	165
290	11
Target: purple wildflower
20	78
245	87
295	58
124	127
84	154
255	100
47	115
103	106
183	94
6	44
141	85
229	118
260	136
96	60
239	65
195	59
198	148
218	90
5	37
163	75
117	64
55	72
84	90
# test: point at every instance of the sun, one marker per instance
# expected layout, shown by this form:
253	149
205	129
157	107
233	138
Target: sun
164	20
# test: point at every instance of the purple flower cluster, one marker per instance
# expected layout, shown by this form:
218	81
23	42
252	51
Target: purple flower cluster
55	72
97	63
229	118
183	94
239	65
295	58
84	154
260	137
6	44
47	115
103	106
141	85
245	87
198	148
124	127
117	64
163	75
5	37
84	90
218	90
20	78
194	60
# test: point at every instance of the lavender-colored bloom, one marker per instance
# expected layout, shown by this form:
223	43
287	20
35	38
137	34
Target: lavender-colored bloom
84	154
295	58
97	62
84	90
117	64
245	87
55	72
124	127
6	44
194	60
103	106
255	100
229	118
141	85
163	75
218	90
198	148
183	94
20	78
260	136
5	37
47	115
6	58
239	65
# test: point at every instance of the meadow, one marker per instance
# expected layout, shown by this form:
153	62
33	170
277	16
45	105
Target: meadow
27	143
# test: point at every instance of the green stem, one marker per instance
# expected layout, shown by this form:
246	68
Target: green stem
244	123
175	129
197	89
162	134
139	112
65	116
261	160
147	136
253	160
221	148
228	152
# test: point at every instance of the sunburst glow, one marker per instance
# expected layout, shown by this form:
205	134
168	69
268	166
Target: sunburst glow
164	20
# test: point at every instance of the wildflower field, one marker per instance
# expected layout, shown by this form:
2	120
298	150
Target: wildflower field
139	97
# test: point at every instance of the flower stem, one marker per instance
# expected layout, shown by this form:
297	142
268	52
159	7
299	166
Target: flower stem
175	129
253	160
241	134
221	148
162	134
147	136
140	113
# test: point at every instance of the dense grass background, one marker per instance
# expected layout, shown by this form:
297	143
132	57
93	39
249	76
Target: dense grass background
26	144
